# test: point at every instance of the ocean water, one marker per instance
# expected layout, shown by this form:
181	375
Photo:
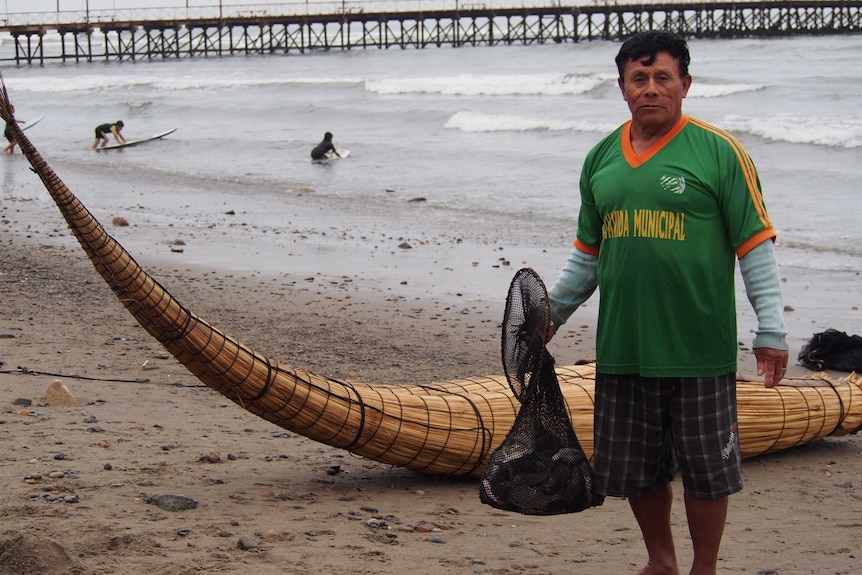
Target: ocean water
492	135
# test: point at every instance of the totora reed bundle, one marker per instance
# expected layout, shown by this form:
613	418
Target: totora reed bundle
446	428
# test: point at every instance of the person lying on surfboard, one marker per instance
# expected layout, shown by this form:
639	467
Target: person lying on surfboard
323	150
10	137
103	130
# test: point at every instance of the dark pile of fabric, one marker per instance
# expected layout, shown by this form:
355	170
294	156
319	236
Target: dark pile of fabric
832	349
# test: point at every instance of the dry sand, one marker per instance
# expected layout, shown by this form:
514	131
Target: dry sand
80	481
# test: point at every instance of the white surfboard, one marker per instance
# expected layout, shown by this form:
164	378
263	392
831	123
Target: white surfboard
330	157
136	142
32	123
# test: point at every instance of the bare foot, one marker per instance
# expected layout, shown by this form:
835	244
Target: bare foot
652	569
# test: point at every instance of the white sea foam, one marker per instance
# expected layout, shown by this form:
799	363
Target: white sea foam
80	83
96	83
528	84
718	90
491	85
840	132
478	122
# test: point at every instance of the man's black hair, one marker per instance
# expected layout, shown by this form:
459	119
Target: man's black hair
646	45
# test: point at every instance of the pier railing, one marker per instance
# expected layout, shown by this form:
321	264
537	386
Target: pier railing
273	10
167	33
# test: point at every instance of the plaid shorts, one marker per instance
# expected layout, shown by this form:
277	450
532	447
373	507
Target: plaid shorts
647	429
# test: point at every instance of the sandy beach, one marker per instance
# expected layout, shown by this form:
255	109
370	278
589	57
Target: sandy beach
82	481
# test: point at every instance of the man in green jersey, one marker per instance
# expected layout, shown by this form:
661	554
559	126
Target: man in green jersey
668	204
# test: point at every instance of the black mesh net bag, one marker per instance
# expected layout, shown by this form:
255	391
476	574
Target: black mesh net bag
832	349
540	467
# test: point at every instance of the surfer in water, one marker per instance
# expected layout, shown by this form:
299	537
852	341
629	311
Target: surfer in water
322	150
103	130
10	137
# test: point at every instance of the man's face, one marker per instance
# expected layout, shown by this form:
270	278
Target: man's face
654	93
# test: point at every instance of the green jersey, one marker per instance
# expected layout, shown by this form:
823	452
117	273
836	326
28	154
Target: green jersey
667	226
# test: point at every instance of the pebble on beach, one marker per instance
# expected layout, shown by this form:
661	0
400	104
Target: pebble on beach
59	395
172	502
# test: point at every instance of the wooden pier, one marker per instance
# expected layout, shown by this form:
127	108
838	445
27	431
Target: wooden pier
350	27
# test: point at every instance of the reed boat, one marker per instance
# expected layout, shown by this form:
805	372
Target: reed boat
446	428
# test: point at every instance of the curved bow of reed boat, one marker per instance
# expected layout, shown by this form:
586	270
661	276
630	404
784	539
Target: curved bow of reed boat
445	428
